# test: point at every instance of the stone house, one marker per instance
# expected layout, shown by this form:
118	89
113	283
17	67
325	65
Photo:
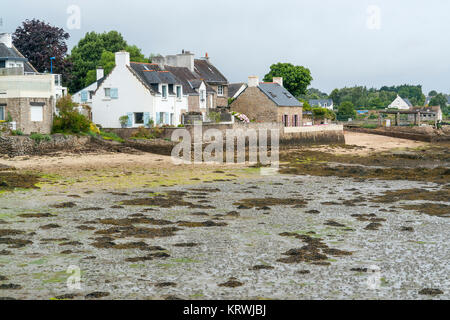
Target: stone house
205	85
268	102
26	97
235	89
426	114
141	92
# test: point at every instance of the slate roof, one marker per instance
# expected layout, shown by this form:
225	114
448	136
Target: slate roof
152	75
233	88
208	72
189	80
279	95
407	102
14	54
316	102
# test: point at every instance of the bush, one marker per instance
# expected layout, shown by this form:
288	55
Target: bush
144	133
69	119
17	132
38	137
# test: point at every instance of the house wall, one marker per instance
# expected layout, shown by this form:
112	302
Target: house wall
290	112
18	92
257	106
20	110
399	103
133	96
221	101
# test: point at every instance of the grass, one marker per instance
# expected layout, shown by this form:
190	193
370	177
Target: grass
111	136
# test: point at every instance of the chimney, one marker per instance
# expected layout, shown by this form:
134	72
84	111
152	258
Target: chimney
6	38
253	81
122	58
206	56
100	73
278	80
184	59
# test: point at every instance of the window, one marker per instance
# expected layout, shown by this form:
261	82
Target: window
220	90
179	92
2	113
107	92
139	118
285	120
295	122
36	113
2	64
164	92
203	95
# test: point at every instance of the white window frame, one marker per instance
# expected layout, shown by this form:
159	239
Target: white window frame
164	96
2	113
107	96
35	108
180	92
220	90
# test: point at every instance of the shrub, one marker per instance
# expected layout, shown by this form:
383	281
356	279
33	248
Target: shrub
69	119
144	133
38	137
17	132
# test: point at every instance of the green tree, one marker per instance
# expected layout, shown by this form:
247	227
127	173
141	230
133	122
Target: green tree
432	93
88	54
346	110
295	78
440	100
108	62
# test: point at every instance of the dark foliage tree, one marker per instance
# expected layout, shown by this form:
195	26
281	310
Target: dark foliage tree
38	41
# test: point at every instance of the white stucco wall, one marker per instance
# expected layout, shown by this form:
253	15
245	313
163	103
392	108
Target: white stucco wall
133	96
399	103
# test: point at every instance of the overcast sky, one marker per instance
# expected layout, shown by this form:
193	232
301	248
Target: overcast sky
342	42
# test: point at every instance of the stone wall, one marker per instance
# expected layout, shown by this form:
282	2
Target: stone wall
13	146
19	108
289	137
426	134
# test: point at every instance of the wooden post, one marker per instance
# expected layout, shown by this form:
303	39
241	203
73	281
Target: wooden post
397	118
418	115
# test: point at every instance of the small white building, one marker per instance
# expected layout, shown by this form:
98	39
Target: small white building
322	103
142	92
84	96
400	103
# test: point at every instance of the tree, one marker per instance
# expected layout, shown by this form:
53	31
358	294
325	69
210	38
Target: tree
295	78
346	110
440	100
69	120
108	62
432	93
38	41
86	55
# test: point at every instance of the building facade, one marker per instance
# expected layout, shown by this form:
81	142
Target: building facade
27	98
141	92
268	102
213	93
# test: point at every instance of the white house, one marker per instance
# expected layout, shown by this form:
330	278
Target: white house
142	92
400	103
84	96
322	103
